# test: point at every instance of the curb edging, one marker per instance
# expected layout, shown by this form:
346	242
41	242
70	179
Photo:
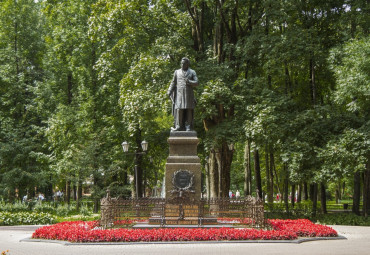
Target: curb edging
296	241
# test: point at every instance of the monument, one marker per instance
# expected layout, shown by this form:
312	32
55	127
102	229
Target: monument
183	169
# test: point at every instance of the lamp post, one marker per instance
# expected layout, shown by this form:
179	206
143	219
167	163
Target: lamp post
125	147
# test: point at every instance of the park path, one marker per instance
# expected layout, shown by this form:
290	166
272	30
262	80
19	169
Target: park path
358	242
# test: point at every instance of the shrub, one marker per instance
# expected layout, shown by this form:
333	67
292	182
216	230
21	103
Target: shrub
85	211
25	218
300	210
16	207
44	207
62	210
343	219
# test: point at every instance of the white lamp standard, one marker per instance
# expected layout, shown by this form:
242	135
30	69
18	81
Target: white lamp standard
125	147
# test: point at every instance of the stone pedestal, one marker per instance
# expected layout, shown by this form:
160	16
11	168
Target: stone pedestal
183	167
183	182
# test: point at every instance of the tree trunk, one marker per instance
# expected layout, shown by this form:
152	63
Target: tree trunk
194	35
272	169
356	193
219	168
79	194
299	193
197	26
312	81
293	195
227	158
213	175
138	164
312	192
208	182
145	183
74	192
337	196
366	191
288	83
200	27
339	191
96	199
314	199
323	198
305	191
276	175
224	158
220	43
68	192
270	198
247	170
286	189
343	189
257	173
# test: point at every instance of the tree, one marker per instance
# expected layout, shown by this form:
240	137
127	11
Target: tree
351	67
21	168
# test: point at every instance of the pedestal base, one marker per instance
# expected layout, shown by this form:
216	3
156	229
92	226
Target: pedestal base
183	157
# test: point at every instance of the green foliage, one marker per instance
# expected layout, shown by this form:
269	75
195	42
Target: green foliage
85	211
346	153
22	49
349	152
44	207
351	65
300	210
42	213
16	207
62	210
25	218
349	219
216	107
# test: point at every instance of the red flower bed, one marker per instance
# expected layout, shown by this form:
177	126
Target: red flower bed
303	228
79	231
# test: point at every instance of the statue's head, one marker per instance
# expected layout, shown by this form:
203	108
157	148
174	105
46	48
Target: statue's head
185	63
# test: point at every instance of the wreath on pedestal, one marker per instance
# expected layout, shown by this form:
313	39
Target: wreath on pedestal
183	182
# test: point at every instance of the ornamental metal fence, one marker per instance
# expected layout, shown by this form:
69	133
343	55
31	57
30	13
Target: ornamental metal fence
160	212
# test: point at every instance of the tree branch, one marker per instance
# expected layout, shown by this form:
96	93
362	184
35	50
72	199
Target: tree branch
228	30
188	6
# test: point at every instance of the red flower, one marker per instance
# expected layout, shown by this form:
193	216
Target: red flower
80	231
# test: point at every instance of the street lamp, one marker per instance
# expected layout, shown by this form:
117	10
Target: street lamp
126	145
144	146
231	146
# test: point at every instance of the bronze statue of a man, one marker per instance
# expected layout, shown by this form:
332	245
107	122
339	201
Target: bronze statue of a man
182	96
